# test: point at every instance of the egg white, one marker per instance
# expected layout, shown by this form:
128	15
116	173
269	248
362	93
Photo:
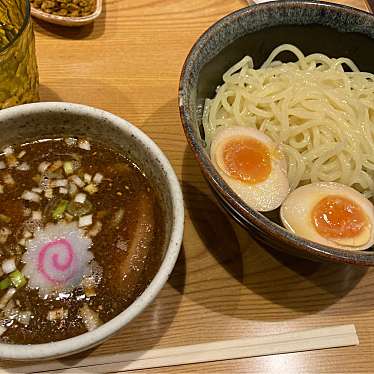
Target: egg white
264	196
296	214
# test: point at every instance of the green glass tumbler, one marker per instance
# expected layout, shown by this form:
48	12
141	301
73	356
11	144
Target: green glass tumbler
19	79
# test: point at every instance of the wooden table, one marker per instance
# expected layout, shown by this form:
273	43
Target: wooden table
224	285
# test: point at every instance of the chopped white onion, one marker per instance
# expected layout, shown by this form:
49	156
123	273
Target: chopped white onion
80	198
63	190
90	318
85	220
73	189
48	193
70	141
22	242
8	150
77	181
2	165
84	144
36	215
87	177
2	330
59	183
37	190
24	317
9	265
21	154
31	196
57	314
6	297
8	179
43	166
23	167
27	234
98	178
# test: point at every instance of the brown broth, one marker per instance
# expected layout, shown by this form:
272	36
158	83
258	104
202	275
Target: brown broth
123	187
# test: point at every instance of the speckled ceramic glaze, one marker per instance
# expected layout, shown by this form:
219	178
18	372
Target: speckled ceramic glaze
313	27
43	120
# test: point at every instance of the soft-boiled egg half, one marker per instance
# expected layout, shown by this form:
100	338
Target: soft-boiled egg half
331	214
252	165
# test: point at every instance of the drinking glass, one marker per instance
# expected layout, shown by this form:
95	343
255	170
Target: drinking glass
19	79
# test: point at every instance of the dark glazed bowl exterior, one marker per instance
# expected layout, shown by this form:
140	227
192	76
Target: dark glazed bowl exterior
327	28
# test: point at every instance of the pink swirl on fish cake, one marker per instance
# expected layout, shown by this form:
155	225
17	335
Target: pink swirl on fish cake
52	265
57	258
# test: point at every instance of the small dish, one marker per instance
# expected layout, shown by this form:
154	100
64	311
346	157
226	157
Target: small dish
68	21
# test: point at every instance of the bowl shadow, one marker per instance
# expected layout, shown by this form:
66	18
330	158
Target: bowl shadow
47	94
270	278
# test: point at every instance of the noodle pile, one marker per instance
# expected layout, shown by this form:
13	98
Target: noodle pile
321	116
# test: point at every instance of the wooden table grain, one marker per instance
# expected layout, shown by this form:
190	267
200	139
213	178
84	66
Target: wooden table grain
224	285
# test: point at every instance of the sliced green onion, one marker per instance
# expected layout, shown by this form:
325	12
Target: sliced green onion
4	218
68	167
91	188
5	283
17	279
59	211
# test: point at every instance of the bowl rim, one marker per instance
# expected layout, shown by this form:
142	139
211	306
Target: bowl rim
252	217
92	338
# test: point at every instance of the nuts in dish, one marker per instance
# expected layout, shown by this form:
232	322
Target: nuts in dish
65	8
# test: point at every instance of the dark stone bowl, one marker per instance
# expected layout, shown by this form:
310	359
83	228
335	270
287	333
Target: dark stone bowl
327	28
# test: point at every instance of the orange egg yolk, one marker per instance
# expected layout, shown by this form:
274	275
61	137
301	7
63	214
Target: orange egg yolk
247	159
338	217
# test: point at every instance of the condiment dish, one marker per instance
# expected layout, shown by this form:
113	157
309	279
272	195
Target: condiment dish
68	21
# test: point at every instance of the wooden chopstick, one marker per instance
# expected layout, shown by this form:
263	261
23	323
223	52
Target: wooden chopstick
321	338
